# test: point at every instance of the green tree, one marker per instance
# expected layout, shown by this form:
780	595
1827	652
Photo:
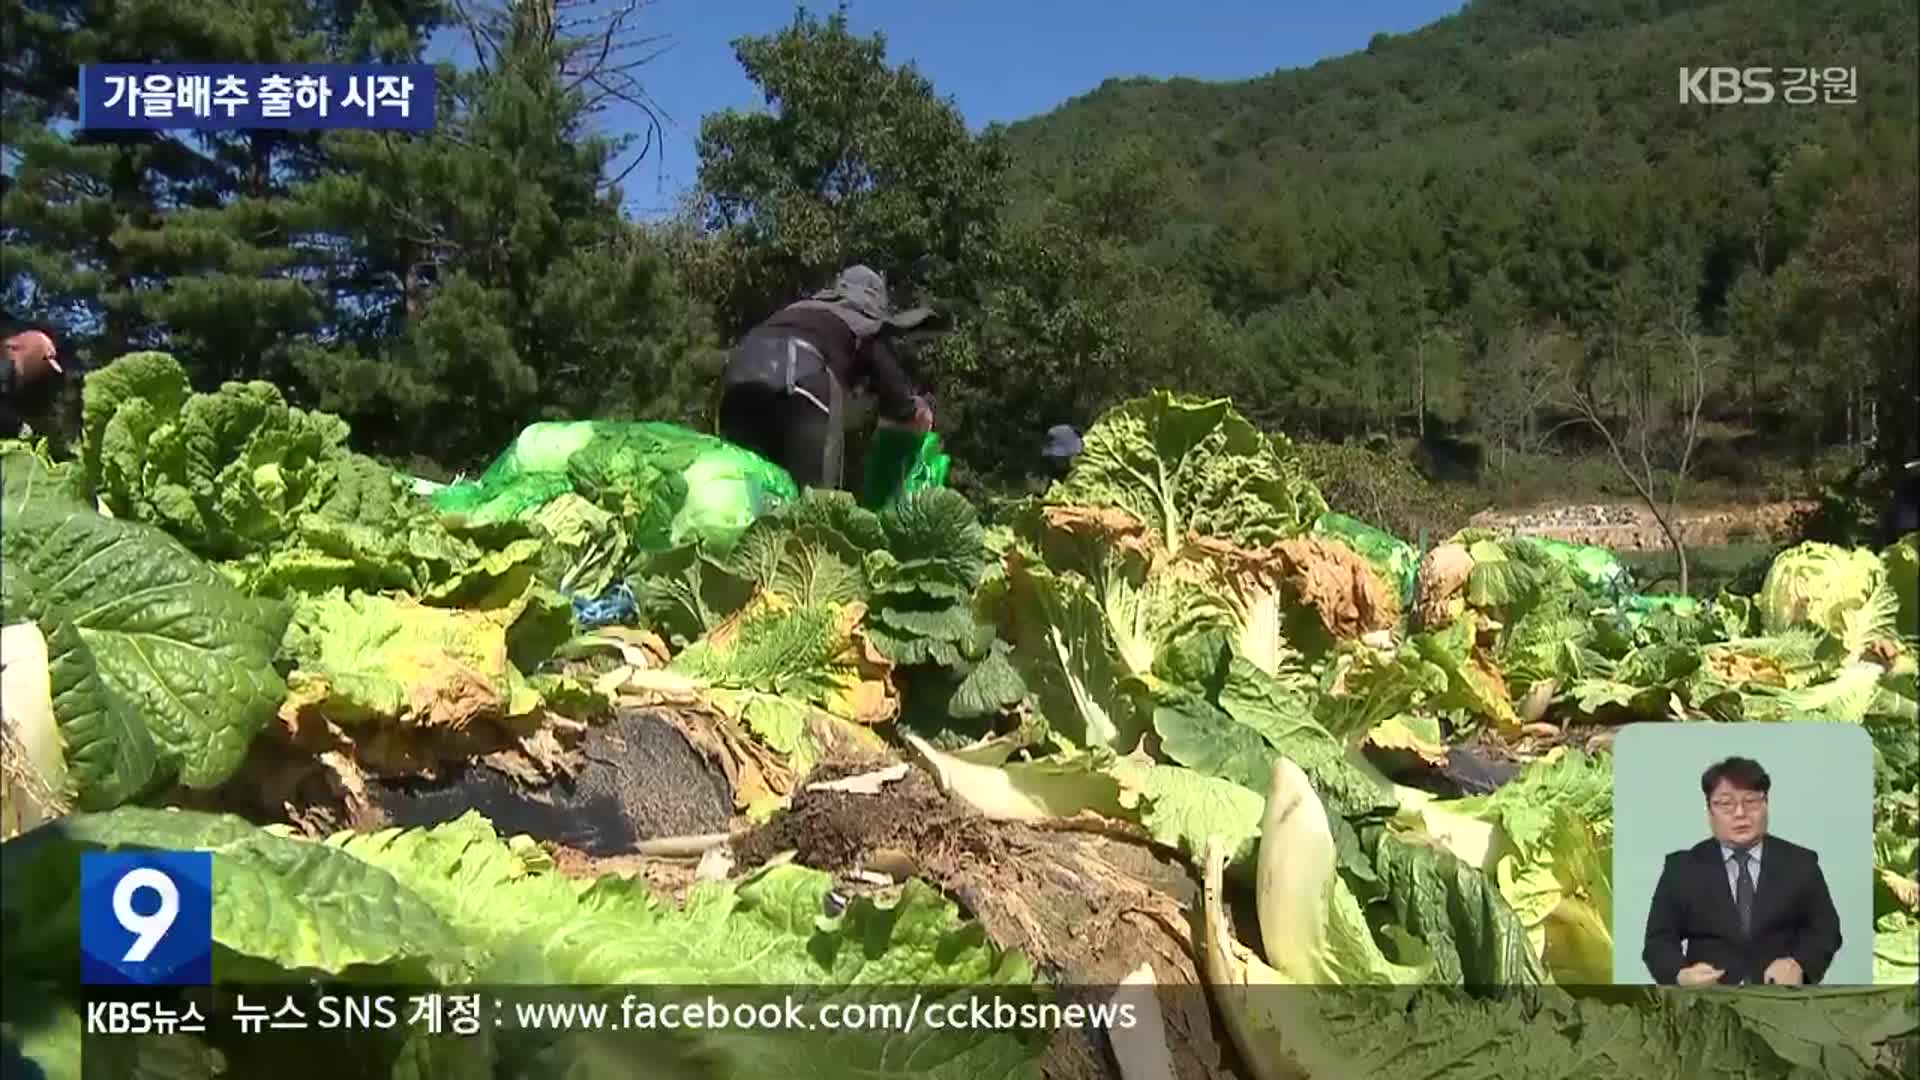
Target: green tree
171	239
1862	284
1073	317
1039	347
1855	291
855	160
545	302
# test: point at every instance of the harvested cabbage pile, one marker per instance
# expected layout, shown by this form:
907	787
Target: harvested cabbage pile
1180	643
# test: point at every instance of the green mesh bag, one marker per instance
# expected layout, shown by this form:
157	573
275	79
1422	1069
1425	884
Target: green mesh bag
900	462
1640	607
1648	603
677	485
668	484
1598	570
528	474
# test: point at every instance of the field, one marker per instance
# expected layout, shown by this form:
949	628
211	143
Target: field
1039	748
367	540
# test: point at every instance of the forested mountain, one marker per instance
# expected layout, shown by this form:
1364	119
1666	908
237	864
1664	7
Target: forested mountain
1523	166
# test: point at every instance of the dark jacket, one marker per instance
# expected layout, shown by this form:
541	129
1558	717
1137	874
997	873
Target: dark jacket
10	417
1693	919
854	362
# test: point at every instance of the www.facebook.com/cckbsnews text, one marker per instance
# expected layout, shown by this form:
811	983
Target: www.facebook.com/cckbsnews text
467	1014
976	1014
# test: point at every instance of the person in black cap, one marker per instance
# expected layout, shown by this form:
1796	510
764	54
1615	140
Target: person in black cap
1061	447
30	376
1057	451
783	394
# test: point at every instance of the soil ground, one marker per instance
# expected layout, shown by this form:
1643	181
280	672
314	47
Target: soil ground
1087	908
641	779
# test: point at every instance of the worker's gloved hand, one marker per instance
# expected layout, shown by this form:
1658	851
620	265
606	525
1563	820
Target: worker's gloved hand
922	416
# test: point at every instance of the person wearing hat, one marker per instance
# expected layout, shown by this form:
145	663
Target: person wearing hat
783	393
1061	447
30	372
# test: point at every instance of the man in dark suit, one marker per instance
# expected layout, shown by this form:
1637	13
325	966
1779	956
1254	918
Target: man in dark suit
1742	907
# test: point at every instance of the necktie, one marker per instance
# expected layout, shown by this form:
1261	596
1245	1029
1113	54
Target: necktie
1743	890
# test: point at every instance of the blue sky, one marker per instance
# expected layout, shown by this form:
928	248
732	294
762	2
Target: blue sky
999	60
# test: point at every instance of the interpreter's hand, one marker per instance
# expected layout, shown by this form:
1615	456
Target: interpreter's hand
1700	974
1784	971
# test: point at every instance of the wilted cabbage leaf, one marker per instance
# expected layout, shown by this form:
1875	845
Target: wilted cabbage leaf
458	905
1065	652
1189	467
1473	683
1902	561
1547	842
1182	808
382	667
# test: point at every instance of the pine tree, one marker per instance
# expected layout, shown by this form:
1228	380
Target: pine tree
486	277
172	239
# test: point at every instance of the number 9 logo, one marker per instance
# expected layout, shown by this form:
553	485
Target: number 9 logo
146	918
148	930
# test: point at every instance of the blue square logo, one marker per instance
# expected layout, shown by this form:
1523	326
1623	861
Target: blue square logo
146	918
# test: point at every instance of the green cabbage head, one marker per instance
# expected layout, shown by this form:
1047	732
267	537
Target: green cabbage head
1815	584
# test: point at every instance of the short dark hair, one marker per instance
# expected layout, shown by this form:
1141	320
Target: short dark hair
1745	774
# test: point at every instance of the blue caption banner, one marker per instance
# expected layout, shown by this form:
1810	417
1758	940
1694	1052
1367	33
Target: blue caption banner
238	97
146	918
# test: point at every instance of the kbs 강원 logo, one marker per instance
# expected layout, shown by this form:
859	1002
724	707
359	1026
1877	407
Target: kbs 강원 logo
1763	85
146	918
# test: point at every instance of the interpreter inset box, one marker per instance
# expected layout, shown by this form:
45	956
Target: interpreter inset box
1743	854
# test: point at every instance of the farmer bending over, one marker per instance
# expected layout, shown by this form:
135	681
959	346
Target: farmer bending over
783	394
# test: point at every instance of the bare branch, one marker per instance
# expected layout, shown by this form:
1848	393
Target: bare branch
1590	412
1656	431
638	159
486	43
595	50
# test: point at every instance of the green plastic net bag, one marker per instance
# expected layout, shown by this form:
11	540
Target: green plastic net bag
1649	603
1597	569
669	485
724	489
1640	607
1396	560
899	462
528	474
